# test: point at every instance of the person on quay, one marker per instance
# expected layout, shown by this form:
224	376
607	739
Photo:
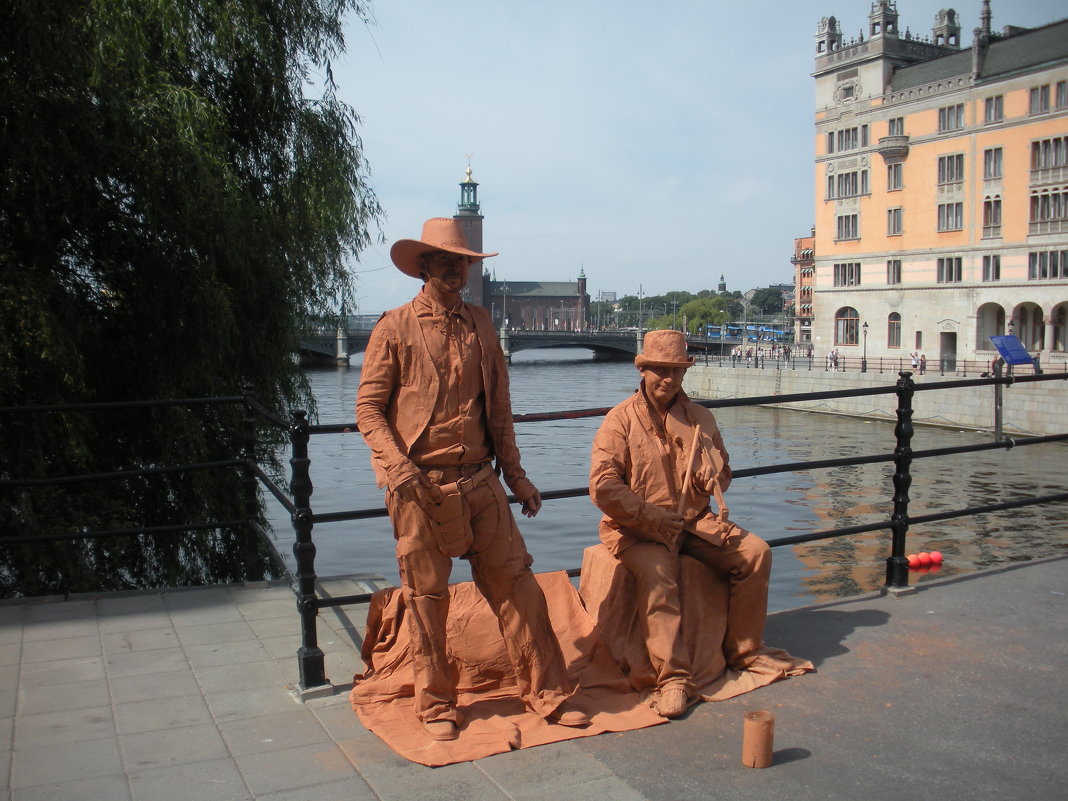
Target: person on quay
434	407
657	460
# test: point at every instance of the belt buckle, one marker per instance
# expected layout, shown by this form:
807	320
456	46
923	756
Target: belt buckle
463	485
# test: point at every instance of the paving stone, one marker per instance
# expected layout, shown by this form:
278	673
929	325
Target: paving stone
295	767
63	762
60	697
212	780
65	648
226	653
109	788
556	763
131	607
136	663
273	732
64	671
173	746
231	678
354	789
250	703
262	610
213	633
394	778
153	639
145	686
66	726
58	630
11	653
161	713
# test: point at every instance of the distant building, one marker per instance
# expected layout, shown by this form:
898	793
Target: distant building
804	278
941	189
525	305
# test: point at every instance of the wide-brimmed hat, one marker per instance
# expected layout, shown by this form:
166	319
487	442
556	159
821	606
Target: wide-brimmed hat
663	349
439	233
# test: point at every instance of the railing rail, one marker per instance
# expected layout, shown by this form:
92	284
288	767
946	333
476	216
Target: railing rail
298	499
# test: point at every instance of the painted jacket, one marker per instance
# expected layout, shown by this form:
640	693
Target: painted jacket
638	464
398	385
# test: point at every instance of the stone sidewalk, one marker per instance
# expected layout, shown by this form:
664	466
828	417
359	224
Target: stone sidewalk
957	691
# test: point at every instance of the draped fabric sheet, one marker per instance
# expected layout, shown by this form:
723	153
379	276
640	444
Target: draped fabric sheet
495	720
607	590
603	647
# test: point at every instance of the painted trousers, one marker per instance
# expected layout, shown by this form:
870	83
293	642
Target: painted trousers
743	558
500	569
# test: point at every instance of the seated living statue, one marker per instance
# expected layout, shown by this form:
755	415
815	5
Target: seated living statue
657	460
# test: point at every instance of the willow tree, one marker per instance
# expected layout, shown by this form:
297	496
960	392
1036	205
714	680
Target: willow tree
180	187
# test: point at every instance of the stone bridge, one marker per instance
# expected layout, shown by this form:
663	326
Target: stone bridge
322	345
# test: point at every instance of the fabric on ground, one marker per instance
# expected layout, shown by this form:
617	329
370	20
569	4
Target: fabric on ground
607	590
495	720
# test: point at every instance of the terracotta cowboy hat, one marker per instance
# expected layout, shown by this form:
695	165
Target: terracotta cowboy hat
663	349
439	233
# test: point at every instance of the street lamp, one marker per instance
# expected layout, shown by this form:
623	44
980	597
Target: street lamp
504	311
864	358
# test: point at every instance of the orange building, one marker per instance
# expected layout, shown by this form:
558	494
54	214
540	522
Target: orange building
941	179
804	259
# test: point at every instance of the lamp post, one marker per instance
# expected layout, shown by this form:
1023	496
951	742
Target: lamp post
504	311
864	358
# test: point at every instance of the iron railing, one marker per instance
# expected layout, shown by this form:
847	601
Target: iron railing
296	501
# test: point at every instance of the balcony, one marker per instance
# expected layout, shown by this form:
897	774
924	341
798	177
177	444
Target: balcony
893	148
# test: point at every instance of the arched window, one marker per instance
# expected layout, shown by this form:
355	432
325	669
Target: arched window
989	322
893	330
1029	326
1060	316
846	326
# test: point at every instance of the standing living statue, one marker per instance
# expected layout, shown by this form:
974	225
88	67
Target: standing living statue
434	407
657	460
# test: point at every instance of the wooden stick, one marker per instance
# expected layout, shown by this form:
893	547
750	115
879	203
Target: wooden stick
689	469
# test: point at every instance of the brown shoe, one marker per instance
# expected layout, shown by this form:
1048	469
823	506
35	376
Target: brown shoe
672	703
567	715
441	729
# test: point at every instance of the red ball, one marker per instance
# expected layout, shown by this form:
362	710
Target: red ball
925	559
914	560
936	557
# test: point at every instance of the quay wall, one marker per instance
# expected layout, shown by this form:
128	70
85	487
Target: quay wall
1027	409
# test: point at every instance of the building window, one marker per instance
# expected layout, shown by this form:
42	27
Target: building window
830	141
893	177
848	227
846	326
950	216
949	270
850	184
991	218
951	169
1049	153
951	118
992	268
1062	94
994	109
1039	100
893	271
847	274
919	340
1049	213
1047	264
897	126
893	330
992	163
893	222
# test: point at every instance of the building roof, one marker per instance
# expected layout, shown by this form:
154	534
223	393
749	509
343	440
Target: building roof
535	289
1020	52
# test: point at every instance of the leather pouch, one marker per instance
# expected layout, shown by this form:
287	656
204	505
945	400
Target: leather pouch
452	526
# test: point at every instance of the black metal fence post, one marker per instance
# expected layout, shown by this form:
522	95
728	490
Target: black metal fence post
897	566
253	563
310	658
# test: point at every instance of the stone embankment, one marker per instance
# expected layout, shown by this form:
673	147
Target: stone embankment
1027	409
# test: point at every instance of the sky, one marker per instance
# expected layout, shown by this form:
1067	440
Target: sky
655	146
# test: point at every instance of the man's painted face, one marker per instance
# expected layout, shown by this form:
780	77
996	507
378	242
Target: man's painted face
662	384
447	272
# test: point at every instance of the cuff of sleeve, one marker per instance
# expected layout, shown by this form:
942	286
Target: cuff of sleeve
401	473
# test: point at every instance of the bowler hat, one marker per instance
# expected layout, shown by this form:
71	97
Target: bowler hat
439	233
663	349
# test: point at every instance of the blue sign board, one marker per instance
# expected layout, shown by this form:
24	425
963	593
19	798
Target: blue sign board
1012	350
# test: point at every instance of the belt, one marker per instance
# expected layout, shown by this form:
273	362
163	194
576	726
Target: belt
464	477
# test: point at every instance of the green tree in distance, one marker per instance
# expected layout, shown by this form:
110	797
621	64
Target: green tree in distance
767	301
176	197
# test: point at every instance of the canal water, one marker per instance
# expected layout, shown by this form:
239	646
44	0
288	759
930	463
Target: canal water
556	457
